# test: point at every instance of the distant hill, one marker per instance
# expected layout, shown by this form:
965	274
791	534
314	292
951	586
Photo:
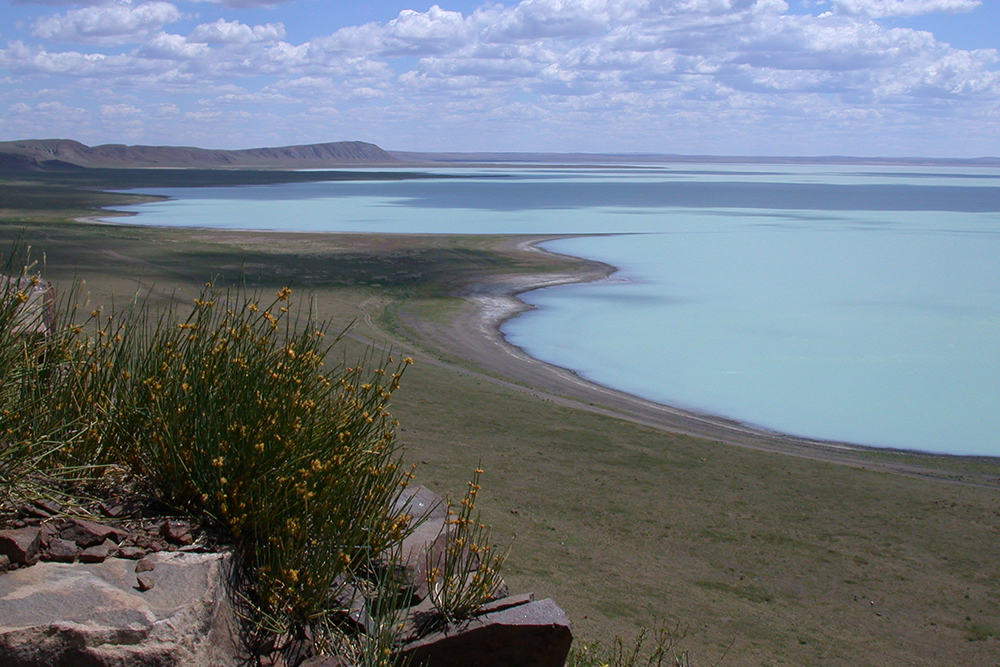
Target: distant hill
61	154
655	158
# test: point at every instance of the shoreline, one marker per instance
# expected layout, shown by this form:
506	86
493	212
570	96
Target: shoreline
474	334
492	299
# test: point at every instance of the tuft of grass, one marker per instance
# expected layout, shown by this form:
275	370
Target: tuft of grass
662	652
468	573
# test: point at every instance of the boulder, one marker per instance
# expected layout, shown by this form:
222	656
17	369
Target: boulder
92	615
533	634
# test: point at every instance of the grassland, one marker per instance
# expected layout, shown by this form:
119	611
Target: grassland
790	559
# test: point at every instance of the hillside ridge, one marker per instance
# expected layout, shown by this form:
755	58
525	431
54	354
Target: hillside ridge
49	154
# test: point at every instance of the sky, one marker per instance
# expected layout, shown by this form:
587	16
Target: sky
710	77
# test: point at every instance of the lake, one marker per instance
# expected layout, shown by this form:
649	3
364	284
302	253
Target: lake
856	304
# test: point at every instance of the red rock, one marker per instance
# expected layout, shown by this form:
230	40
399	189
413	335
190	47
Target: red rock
535	634
20	545
87	533
144	565
506	603
131	553
178	532
62	551
99	553
144	582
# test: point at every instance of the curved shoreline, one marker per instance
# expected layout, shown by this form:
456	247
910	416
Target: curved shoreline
474	334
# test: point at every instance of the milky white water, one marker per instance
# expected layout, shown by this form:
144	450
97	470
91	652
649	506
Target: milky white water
845	303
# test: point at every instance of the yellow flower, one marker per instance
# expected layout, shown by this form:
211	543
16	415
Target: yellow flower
284	293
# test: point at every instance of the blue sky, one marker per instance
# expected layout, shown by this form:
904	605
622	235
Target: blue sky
724	77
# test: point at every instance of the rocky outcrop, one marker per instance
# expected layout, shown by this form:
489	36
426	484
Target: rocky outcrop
89	602
96	615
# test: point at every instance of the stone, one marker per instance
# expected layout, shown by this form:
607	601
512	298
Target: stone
4	563
144	582
428	536
178	532
98	553
352	602
131	553
145	565
120	510
88	533
62	551
51	507
20	545
420	503
535	634
91	615
506	603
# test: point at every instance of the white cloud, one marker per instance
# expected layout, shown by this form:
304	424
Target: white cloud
884	8
117	111
234	32
107	25
165	46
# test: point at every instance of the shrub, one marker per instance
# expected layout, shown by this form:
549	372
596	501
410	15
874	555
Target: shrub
468	573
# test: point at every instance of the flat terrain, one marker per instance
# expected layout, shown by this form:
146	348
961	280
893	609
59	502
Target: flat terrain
627	513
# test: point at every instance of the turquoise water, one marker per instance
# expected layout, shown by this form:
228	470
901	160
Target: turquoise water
851	304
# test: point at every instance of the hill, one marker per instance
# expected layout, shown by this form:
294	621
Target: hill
61	154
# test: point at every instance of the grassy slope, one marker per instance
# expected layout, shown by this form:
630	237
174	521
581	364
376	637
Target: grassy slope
797	562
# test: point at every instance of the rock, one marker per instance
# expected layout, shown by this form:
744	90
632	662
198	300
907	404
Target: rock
536	634
145	565
36	313
98	553
428	512
87	533
352	602
128	509
131	553
91	615
178	532
62	551
4	564
420	503
51	507
20	545
506	603
144	582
